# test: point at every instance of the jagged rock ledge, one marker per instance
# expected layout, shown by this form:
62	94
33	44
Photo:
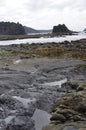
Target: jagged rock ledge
70	112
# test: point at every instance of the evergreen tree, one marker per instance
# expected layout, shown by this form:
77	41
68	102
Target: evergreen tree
11	28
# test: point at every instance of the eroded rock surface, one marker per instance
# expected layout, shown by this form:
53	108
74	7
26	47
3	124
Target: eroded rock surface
70	112
25	88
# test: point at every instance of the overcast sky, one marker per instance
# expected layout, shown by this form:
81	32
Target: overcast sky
44	14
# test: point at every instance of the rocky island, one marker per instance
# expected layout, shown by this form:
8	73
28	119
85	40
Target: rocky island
60	28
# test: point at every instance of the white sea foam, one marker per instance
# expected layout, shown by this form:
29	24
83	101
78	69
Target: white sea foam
45	40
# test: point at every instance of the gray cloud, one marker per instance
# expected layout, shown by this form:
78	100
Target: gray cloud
2	3
45	13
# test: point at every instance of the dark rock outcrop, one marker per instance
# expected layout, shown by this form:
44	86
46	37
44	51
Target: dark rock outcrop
61	29
11	28
85	30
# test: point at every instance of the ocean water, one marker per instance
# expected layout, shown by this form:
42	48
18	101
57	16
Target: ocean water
45	40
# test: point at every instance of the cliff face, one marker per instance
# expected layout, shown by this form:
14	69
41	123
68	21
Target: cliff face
10	28
61	29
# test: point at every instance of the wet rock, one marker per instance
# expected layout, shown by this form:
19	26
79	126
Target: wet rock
2	113
58	117
9	102
18	88
82	129
67	113
21	123
75	101
4	88
73	85
71	109
70	128
26	111
81	86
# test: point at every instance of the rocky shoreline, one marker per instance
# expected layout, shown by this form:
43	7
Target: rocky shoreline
70	112
65	50
31	77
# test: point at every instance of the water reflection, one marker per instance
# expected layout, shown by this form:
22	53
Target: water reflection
41	118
